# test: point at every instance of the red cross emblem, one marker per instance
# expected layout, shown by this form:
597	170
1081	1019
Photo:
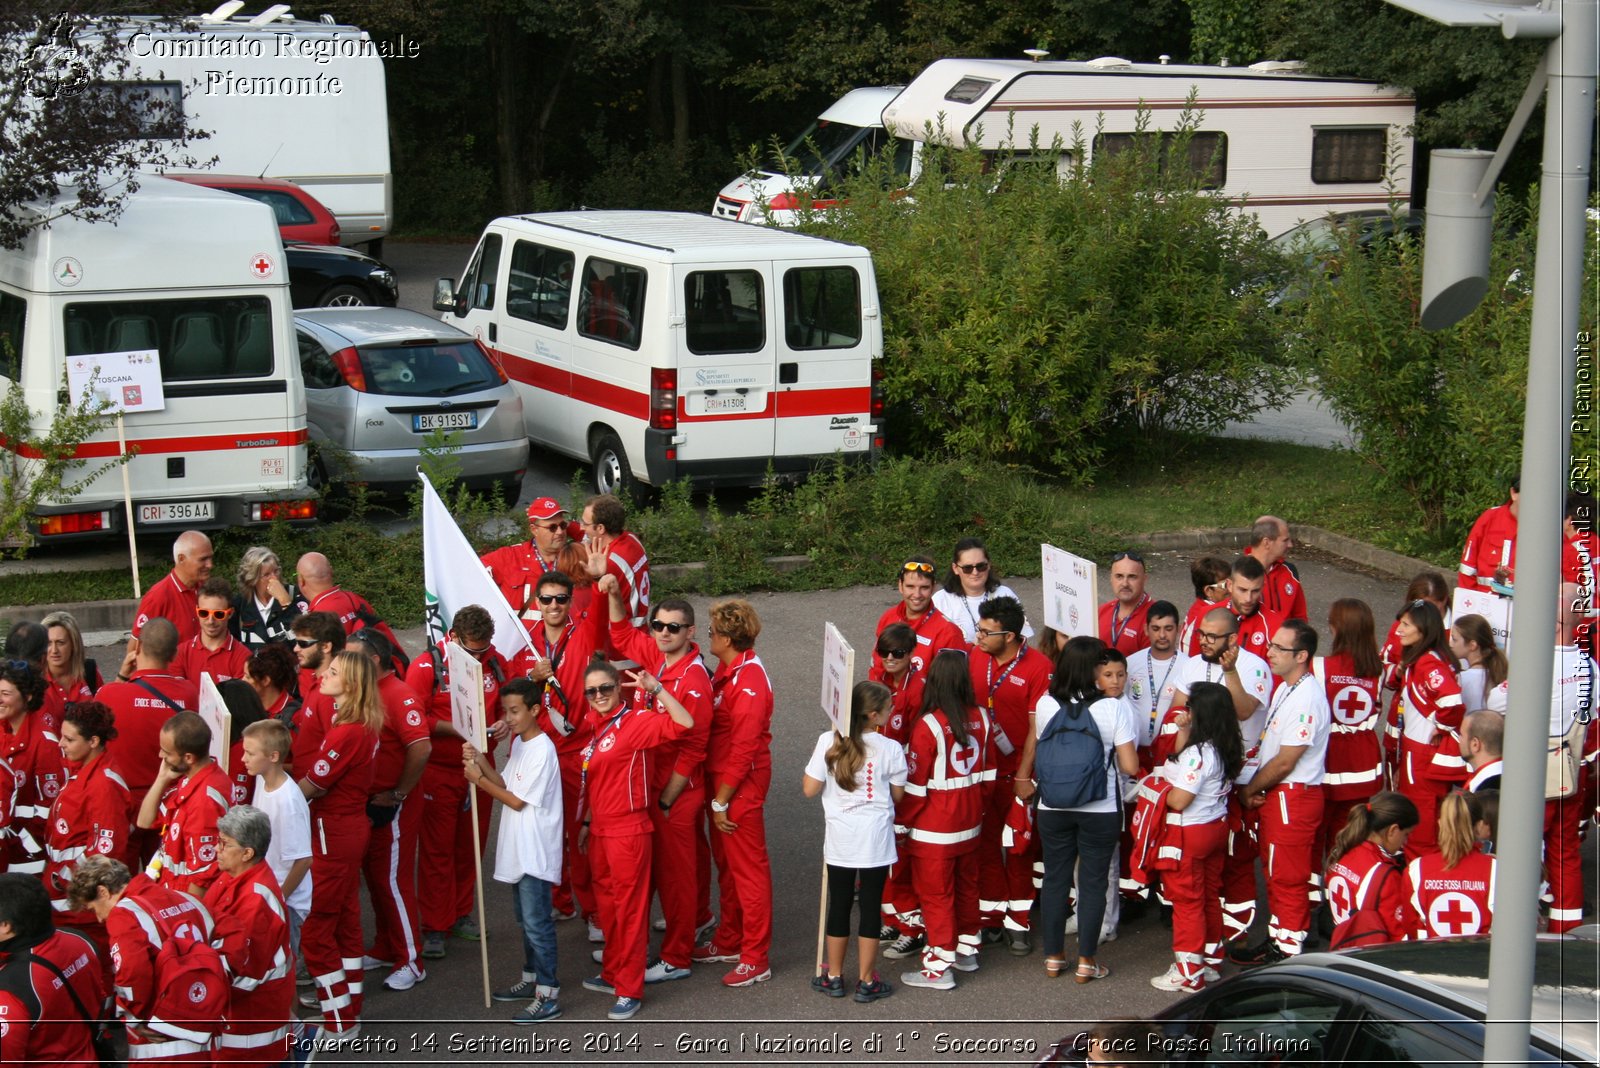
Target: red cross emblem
1352	705
261	265
1339	898
1454	914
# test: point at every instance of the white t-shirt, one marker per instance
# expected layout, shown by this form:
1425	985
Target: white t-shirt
290	817
1198	770
530	840
1473	682
1299	716
963	610
860	822
1253	673
1572	687
1113	718
1149	677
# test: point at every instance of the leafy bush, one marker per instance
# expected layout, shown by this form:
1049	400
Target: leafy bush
1055	319
1438	416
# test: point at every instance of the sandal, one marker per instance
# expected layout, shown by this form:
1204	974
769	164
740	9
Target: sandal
1054	966
1088	973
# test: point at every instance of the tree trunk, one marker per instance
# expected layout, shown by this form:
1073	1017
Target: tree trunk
680	105
656	98
505	45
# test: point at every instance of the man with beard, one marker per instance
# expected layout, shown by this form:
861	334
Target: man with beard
1256	625
1122	618
317	637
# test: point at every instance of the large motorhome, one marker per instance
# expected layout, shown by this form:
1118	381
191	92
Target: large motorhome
282	98
1286	145
196	277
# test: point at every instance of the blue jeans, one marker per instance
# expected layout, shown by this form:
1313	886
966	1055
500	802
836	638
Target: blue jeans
532	899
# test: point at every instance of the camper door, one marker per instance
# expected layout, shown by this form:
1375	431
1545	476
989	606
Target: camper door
727	350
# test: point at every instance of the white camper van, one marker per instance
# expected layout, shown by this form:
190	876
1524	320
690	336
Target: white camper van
282	98
851	124
198	277
1287	145
662	345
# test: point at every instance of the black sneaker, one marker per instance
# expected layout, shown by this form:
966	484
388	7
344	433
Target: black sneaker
831	985
1266	953
873	991
905	946
993	935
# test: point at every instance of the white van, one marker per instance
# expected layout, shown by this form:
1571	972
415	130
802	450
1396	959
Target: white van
851	124
663	345
281	98
1280	143
198	276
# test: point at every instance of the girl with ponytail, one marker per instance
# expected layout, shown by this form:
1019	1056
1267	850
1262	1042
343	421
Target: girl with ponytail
1365	887
861	776
1451	892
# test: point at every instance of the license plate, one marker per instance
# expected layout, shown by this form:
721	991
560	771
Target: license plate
176	512
734	403
445	421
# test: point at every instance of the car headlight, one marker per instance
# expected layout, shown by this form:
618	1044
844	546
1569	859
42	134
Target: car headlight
383	277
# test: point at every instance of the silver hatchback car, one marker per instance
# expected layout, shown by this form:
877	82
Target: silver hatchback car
378	380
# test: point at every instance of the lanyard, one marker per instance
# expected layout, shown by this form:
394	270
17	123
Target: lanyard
594	747
1116	627
1155	694
1278	701
993	683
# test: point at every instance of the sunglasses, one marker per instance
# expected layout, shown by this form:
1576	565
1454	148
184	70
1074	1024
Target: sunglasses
915	566
305	643
548	528
1127	555
213	613
475	653
18	665
554	598
659	625
973	569
606	690
894	654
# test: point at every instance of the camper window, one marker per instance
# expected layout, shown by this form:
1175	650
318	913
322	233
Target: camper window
968	90
212	337
726	312
1206	156
1348	154
158	105
822	307
611	302
539	288
13	318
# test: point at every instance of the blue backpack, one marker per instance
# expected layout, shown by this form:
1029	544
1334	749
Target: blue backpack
1070	760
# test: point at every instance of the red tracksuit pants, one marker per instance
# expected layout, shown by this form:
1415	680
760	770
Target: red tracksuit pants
390	870
446	875
902	908
673	857
620	867
947	883
744	876
1289	822
330	938
1425	793
1005	879
575	876
702	866
1239	873
1195	889
1563	866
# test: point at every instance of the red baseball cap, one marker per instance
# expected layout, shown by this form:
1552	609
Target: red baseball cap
545	508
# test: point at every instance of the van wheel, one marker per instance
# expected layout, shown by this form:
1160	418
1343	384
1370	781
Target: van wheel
343	297
611	471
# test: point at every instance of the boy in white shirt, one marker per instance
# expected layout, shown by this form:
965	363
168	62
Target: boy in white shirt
528	850
266	747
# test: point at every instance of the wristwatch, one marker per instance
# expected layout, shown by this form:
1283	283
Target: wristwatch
398	796
719	806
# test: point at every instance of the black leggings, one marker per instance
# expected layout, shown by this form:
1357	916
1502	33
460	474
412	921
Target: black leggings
842	889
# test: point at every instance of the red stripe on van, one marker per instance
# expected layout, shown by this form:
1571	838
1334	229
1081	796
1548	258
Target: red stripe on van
148	446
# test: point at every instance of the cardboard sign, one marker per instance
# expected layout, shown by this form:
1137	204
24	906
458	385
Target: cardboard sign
1491	606
466	694
214	710
128	381
838	677
1071	585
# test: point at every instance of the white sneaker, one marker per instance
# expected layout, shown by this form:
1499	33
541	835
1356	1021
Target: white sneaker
1108	936
405	977
928	980
599	955
658	924
1211	975
595	934
965	962
369	964
661	972
1173	980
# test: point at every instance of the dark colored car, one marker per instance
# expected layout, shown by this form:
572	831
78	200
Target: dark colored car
1416	1003
327	276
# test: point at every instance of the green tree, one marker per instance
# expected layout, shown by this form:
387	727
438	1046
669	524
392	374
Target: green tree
1229	30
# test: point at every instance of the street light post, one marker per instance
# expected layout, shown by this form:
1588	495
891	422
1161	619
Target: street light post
1568	73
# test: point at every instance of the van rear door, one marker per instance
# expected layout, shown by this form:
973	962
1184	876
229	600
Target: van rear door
726	356
828	320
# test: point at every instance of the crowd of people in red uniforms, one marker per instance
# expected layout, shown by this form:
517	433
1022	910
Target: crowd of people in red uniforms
121	769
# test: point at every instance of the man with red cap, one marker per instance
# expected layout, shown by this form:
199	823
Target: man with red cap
516	569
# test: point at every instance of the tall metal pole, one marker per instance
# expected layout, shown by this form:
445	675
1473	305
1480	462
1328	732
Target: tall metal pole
1558	273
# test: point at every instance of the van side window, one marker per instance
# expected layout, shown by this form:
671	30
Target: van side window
479	283
213	337
726	312
13	320
822	307
540	286
1348	154
611	302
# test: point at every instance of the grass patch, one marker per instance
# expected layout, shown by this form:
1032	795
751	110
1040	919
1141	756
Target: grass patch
856	526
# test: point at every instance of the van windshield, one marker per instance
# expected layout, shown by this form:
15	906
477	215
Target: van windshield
832	142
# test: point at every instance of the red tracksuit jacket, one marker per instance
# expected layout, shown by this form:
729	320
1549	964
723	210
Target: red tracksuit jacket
740	747
89	817
943	802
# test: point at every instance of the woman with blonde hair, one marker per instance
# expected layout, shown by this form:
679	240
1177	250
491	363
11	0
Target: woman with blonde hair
1451	892
265	608
336	783
67	672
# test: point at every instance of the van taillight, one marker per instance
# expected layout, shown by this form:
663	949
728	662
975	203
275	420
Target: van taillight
875	404
493	358
348	362
663	398
74	523
269	511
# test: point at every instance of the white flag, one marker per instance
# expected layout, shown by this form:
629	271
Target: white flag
453	578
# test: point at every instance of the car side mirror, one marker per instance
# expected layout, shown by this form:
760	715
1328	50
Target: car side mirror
444	296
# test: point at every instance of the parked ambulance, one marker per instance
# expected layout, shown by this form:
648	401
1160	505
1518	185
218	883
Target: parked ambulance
1283	144
662	345
851	125
196	277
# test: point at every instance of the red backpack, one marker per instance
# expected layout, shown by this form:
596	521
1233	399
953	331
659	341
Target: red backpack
192	990
1155	829
1365	926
